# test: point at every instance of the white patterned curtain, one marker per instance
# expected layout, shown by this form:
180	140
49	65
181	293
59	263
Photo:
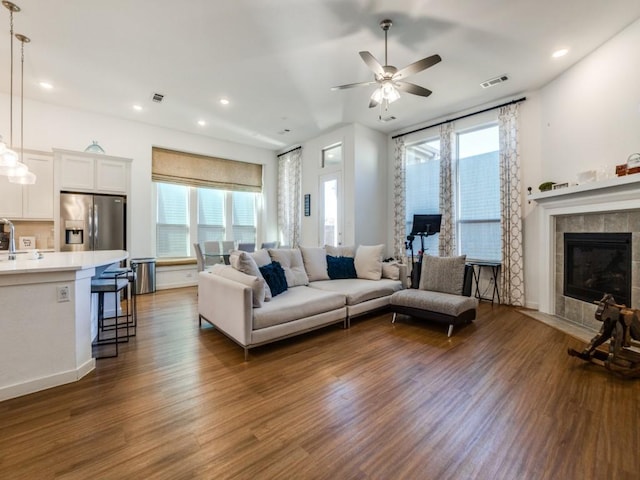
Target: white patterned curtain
512	276
289	198
447	235
399	199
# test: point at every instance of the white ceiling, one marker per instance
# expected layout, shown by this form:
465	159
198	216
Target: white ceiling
276	60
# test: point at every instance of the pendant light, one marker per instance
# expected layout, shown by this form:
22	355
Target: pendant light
28	178
9	158
10	163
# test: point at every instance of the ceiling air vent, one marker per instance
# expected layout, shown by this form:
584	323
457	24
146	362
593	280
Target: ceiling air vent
494	81
157	97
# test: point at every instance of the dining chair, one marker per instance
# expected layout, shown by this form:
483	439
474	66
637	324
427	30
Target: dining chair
199	256
228	245
247	247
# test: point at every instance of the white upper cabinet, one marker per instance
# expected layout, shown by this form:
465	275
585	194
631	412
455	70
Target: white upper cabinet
38	198
34	202
93	172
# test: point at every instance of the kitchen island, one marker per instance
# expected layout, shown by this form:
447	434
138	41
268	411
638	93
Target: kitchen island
46	318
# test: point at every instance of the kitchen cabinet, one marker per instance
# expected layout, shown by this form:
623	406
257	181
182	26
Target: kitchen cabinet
33	202
93	172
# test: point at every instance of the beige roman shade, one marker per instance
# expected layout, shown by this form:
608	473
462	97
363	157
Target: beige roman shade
170	166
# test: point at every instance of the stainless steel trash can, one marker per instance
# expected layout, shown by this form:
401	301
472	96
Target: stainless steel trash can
145	274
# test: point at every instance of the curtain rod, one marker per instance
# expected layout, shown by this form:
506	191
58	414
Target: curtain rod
459	118
289	151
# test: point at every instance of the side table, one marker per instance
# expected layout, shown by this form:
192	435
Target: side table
495	267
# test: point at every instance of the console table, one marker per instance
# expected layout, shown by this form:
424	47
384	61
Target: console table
494	267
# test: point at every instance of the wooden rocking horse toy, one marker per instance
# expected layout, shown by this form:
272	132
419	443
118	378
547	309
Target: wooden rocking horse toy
620	325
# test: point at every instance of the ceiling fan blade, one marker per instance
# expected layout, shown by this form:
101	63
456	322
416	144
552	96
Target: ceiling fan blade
372	63
351	85
412	88
416	67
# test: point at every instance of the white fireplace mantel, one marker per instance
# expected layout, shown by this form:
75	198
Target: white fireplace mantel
610	195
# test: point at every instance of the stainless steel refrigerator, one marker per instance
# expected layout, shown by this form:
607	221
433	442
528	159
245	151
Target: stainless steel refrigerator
92	222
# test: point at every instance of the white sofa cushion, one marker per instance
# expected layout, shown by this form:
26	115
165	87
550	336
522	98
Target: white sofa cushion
294	304
315	263
368	261
442	274
359	290
290	259
261	257
257	285
244	262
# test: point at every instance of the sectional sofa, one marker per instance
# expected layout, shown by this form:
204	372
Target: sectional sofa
245	300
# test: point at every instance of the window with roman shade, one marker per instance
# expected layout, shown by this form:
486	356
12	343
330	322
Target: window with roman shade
201	198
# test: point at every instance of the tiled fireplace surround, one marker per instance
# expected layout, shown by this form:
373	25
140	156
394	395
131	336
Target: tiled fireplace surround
575	310
609	206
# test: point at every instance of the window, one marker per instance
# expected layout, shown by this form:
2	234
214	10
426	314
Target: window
211	207
423	188
332	156
186	215
244	217
172	223
477	191
478	194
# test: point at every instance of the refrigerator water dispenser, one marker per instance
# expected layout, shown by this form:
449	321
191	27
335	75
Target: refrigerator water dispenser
74	232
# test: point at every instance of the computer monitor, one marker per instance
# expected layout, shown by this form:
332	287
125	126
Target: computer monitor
426	224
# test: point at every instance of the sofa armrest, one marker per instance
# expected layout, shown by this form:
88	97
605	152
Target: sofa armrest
226	304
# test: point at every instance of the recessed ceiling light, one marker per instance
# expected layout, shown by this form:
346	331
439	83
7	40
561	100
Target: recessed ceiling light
46	85
224	101
202	123
560	53
137	108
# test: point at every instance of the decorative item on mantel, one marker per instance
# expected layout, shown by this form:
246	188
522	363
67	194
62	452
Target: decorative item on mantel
94	147
546	186
632	165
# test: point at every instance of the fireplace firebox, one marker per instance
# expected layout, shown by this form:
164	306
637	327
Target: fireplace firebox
597	263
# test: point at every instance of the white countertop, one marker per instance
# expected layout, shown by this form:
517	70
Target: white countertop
59	261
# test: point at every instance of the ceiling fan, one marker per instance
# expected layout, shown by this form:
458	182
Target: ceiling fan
388	78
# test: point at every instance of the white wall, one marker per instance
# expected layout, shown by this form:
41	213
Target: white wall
48	126
587	118
311	172
590	115
364	184
371	220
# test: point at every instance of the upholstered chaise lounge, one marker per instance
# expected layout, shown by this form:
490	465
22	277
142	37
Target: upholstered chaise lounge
444	293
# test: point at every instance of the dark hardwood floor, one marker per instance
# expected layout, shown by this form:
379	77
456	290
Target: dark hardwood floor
501	399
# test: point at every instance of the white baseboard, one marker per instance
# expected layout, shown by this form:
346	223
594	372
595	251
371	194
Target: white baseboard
44	383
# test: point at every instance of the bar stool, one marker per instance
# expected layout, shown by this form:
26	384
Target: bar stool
130	274
113	285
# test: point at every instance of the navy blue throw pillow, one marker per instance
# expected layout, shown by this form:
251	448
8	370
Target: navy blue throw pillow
274	276
341	267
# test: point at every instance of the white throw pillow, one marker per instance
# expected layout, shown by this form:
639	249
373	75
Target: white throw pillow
290	259
243	262
315	263
368	261
257	284
261	257
341	251
391	270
